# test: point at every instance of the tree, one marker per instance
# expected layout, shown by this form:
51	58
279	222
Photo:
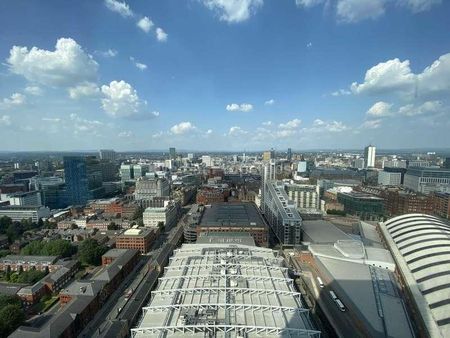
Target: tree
73	226
5	222
11	317
59	247
113	226
161	226
90	252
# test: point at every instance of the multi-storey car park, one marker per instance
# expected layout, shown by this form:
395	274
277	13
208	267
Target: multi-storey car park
225	290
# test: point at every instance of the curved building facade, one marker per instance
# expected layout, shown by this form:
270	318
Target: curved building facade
420	245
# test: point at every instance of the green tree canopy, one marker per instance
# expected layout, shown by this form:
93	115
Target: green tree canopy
59	247
90	252
11	317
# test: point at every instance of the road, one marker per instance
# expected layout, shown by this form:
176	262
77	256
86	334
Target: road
141	281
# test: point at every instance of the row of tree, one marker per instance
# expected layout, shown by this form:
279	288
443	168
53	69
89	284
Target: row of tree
58	247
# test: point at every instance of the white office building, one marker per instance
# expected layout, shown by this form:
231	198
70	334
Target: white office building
427	180
389	178
167	215
148	188
369	156
207	160
18	213
305	196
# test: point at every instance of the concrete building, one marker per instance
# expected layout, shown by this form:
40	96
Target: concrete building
207	161
359	163
126	172
305	196
234	217
419	245
369	156
137	238
389	178
427	180
18	213
222	288
281	213
172	154
360	272
167	215
147	188
25	199
394	164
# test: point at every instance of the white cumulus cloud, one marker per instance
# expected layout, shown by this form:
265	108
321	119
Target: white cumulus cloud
428	107
371	124
125	134
380	109
16	99
119	7
395	77
84	89
356	10
121	99
161	35
145	24
182	128
308	3
269	102
292	124
236	131
233	11
139	65
417	6
244	107
67	65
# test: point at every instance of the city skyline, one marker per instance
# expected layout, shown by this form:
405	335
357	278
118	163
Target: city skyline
210	75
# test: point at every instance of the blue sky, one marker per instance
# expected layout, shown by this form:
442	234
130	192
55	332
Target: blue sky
224	74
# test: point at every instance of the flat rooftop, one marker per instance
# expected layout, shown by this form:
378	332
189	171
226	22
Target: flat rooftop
321	231
232	215
225	238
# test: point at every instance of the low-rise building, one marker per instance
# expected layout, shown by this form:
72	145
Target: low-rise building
441	204
17	213
366	206
235	217
167	215
137	238
25	263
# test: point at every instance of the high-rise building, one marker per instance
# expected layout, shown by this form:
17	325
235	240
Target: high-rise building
289	154
281	213
126	172
107	154
76	178
369	156
172	154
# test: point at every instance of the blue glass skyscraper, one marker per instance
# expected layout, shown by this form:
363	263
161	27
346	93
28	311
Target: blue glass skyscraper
76	178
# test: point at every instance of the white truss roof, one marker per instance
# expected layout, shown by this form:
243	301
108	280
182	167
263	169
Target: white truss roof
225	290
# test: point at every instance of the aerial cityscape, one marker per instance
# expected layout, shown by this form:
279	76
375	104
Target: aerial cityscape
225	168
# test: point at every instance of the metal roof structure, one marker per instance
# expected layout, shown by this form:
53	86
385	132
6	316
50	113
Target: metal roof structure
225	290
243	214
420	245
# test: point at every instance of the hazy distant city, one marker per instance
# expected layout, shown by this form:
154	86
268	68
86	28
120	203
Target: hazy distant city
224	168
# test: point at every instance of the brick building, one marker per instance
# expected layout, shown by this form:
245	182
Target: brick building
137	238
